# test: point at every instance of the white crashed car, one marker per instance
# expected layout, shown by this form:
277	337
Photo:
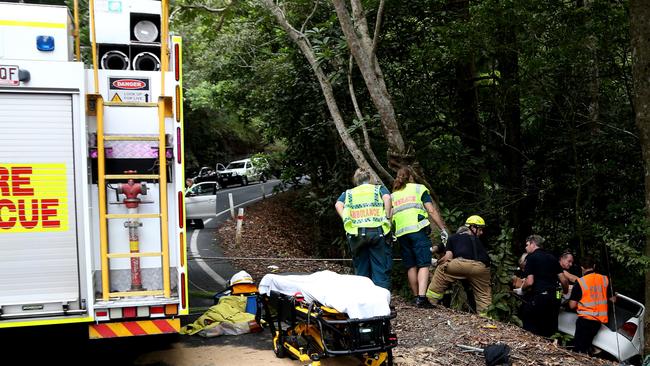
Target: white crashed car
201	202
622	337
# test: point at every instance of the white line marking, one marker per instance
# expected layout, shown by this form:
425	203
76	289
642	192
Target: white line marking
204	266
194	249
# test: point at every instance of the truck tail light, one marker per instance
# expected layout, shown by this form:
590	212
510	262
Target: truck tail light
183	300
181	241
181	219
157	311
178	146
177	69
628	330
178	103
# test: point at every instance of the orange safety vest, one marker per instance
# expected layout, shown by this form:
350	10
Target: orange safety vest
593	304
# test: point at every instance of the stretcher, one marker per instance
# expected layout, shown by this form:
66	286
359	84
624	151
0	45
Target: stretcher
304	328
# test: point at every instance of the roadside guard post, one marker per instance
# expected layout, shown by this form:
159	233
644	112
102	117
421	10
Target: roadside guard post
240	221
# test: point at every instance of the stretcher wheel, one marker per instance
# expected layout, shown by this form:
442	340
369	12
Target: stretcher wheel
278	347
389	359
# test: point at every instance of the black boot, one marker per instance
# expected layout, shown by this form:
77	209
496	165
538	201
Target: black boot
423	302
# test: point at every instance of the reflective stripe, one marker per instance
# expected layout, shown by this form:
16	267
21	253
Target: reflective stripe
412	228
434	295
364	207
409	214
18	23
593	313
401	208
593	303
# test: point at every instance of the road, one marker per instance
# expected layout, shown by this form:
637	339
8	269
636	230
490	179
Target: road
211	276
69	343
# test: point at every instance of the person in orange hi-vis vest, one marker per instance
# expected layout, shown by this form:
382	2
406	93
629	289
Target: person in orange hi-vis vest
589	298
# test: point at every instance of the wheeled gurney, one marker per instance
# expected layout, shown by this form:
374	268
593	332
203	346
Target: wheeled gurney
305	325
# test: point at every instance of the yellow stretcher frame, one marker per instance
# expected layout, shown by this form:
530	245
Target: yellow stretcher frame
306	338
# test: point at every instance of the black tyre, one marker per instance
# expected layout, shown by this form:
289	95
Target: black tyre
244	181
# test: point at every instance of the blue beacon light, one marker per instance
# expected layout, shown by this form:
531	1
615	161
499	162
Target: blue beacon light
45	43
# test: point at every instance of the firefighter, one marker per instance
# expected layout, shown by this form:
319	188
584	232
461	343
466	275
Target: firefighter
589	298
465	258
542	272
365	211
412	206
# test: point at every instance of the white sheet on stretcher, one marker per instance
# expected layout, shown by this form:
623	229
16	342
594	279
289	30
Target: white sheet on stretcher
355	295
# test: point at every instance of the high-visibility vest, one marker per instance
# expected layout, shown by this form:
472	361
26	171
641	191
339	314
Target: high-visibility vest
593	304
407	209
364	207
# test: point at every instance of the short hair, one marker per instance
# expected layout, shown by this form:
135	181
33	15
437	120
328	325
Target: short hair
565	254
588	262
361	176
537	239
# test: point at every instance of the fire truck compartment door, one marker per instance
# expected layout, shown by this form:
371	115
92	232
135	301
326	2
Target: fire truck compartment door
39	273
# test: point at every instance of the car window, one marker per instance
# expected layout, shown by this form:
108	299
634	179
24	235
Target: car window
205	189
236	165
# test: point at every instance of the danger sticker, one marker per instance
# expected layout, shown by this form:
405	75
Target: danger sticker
135	90
33	198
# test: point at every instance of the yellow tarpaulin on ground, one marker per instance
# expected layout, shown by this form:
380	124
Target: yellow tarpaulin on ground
230	309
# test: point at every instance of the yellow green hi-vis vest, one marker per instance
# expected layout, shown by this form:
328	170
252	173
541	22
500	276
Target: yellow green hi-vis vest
364	207
407	207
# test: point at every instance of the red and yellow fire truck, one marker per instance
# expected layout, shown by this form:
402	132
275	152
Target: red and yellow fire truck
91	169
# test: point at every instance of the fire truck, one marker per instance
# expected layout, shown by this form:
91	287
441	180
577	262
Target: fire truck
91	169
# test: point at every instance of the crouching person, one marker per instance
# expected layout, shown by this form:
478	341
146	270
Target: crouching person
590	301
466	258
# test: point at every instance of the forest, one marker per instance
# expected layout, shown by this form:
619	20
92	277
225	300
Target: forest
522	112
532	114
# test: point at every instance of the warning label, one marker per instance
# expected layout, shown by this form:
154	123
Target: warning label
129	90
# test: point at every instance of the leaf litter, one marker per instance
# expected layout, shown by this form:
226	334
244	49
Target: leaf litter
425	336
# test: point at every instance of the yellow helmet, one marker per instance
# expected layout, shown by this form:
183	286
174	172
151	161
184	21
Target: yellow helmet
475	220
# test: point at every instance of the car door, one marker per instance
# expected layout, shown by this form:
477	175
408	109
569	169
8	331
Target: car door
201	200
253	174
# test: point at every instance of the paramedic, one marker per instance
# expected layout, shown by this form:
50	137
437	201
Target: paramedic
542	273
412	206
465	258
365	211
589	297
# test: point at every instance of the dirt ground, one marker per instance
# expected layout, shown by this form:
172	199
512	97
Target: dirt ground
425	336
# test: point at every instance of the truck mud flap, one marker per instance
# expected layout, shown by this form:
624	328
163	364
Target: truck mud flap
133	328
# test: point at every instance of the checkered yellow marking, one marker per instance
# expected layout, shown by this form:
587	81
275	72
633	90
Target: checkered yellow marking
133	328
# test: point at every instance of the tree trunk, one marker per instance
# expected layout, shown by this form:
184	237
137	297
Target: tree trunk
301	41
640	39
360	46
366	139
510	115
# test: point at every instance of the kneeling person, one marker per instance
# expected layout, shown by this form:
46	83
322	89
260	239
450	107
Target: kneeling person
466	258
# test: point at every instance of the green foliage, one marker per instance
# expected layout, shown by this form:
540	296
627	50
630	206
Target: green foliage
517	110
504	304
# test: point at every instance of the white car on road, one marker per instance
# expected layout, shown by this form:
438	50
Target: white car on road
242	172
200	202
622	337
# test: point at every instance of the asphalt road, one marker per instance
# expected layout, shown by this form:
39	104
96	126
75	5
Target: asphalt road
69	343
